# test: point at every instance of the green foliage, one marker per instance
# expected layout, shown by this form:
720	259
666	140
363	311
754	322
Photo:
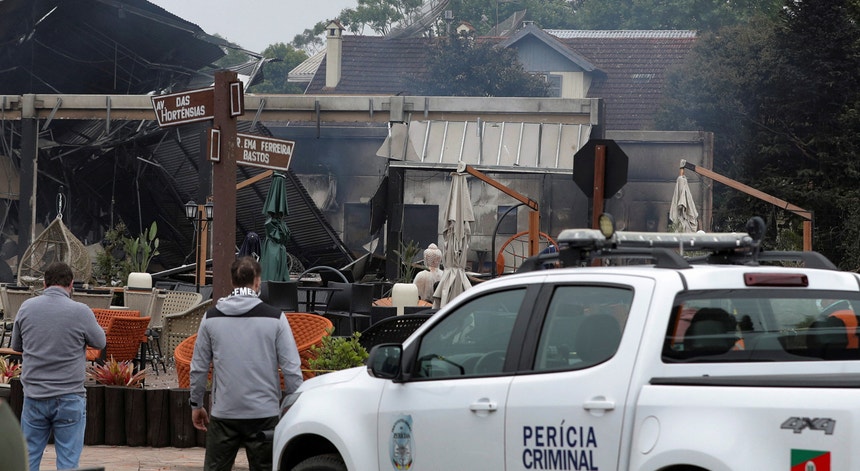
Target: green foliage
111	264
378	15
337	353
310	39
406	254
482	13
782	97
141	250
700	15
275	72
461	66
116	373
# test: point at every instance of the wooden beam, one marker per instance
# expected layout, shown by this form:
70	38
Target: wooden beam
254	179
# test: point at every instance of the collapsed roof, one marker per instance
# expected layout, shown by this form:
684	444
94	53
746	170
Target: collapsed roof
135	172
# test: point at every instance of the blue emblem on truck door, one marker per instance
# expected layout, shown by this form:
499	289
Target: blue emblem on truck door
401	447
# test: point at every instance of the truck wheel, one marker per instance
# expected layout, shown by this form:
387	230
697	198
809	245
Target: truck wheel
330	462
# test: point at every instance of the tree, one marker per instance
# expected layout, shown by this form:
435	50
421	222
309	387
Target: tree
310	39
781	95
379	15
701	15
461	66
275	72
483	14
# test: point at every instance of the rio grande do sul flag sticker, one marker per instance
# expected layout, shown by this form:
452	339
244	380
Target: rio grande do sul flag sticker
810	460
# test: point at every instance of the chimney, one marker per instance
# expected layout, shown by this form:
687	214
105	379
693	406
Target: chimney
333	52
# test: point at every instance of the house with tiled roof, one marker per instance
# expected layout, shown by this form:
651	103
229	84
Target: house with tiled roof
627	69
620	74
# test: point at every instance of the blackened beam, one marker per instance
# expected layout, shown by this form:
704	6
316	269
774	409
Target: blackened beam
298	108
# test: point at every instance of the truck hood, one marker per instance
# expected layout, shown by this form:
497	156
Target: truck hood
326	379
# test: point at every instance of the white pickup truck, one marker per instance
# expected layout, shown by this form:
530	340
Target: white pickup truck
709	360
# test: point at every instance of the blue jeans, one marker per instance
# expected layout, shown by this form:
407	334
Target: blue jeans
66	416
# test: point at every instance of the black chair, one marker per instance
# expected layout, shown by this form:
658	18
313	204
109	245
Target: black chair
393	329
283	295
349	306
166	285
379	313
712	331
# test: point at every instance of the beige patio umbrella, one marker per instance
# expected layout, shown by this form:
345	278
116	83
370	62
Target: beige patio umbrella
682	211
457	235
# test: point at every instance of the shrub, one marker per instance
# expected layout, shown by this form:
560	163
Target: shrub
337	353
117	373
9	369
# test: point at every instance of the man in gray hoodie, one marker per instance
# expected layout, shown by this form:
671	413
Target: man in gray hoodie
246	341
52	331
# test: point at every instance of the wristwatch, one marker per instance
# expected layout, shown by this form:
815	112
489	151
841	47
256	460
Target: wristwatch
193	404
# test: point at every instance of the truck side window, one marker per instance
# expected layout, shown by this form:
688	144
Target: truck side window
472	340
583	327
762	325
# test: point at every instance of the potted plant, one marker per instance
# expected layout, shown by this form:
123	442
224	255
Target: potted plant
9	370
141	250
337	353
124	401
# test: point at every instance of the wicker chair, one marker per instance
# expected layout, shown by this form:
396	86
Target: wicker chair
308	330
179	301
178	327
149	302
182	357
94	300
12	298
104	318
124	336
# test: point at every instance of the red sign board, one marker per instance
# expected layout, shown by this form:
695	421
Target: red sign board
184	107
265	152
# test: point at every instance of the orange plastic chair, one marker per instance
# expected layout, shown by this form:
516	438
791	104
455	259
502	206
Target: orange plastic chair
308	330
182	358
104	317
124	336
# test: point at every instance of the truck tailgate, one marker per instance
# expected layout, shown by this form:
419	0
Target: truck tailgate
748	423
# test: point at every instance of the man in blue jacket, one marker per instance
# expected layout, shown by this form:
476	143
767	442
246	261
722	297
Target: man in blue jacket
246	341
52	331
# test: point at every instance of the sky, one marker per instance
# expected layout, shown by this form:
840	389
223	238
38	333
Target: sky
255	24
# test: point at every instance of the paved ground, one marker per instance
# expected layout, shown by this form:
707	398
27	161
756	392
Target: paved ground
124	458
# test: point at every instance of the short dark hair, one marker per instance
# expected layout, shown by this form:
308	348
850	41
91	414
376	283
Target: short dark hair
58	274
244	271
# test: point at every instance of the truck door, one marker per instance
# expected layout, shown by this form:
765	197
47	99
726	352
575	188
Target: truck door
451	413
565	408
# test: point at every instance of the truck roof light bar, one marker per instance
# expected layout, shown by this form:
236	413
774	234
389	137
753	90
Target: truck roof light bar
687	241
580	247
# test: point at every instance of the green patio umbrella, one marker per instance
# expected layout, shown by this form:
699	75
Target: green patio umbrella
273	256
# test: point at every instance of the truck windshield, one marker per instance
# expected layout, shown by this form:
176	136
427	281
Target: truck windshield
763	325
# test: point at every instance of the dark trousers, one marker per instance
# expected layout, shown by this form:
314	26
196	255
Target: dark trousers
224	437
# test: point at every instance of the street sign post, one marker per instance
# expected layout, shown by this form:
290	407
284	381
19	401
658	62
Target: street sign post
584	166
600	170
264	152
184	107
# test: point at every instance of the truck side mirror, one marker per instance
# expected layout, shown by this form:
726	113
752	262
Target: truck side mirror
384	361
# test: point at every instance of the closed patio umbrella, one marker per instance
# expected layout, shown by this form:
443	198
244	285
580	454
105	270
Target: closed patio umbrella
457	235
273	256
682	211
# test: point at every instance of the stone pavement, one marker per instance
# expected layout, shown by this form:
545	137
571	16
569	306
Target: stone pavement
126	458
